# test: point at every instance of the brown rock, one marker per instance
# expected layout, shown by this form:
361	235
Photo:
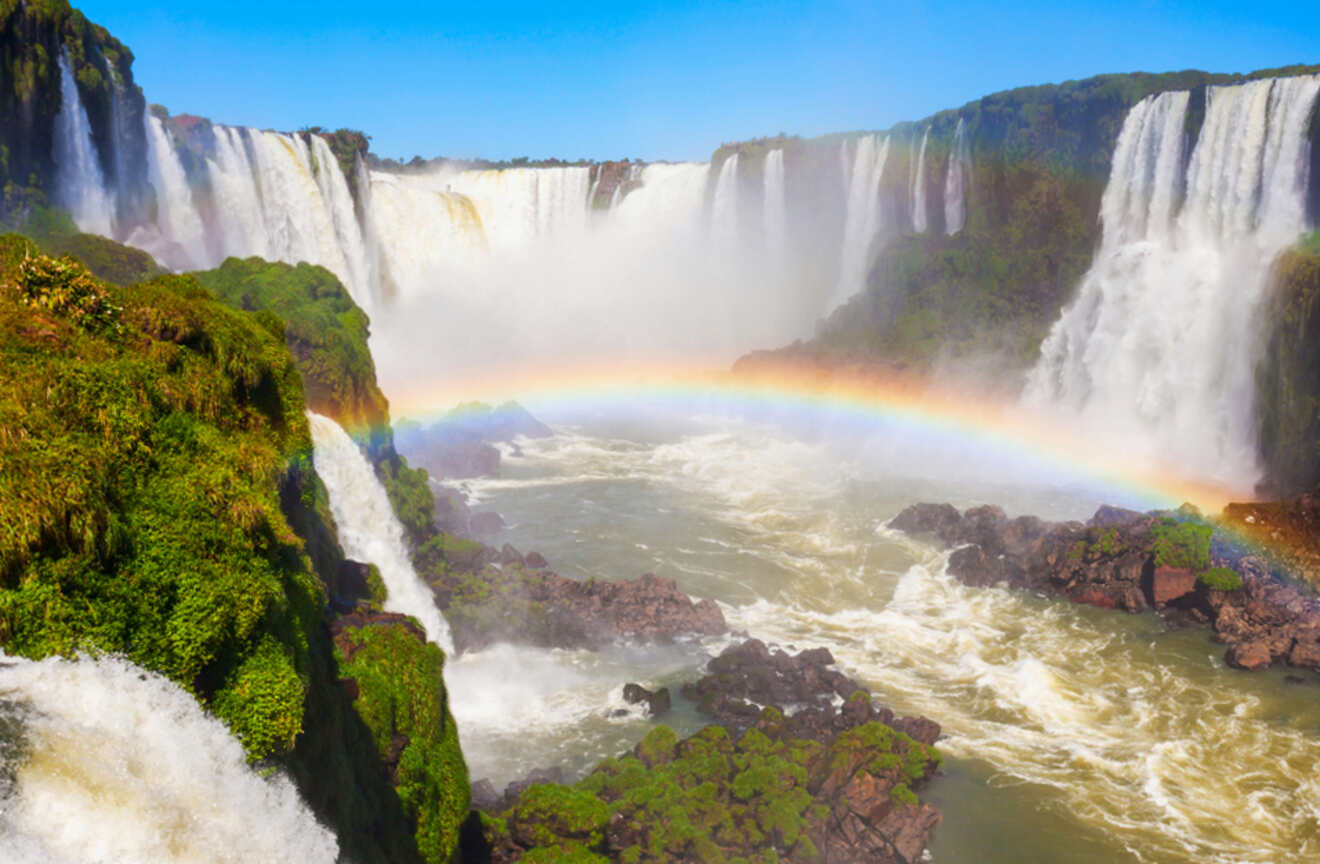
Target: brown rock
1170	583
1306	651
1251	656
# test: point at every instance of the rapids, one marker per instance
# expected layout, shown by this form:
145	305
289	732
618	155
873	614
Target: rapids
1073	734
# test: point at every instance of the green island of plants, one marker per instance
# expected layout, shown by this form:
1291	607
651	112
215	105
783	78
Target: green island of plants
708	798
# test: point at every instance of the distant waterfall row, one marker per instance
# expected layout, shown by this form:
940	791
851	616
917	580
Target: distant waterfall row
223	191
1160	341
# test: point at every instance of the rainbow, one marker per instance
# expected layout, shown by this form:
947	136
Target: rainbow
861	395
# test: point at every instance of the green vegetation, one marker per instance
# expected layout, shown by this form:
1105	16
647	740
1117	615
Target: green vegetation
1221	579
1184	545
324	328
146	436
402	698
1288	375
55	234
710	799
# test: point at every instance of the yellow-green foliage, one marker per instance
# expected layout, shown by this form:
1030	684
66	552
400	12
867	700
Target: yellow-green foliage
146	434
708	798
324	328
55	233
401	692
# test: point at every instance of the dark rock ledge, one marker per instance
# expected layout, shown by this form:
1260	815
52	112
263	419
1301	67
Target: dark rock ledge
1121	559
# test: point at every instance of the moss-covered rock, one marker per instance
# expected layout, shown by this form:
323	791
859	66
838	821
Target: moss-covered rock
711	799
402	699
1288	375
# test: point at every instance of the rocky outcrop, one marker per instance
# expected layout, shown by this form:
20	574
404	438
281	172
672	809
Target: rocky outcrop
657	702
514	598
817	702
820	784
1121	559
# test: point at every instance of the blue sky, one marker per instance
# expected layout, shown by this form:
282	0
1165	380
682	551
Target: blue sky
655	80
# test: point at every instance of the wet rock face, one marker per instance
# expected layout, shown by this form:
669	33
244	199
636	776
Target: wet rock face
817	702
1121	559
657	703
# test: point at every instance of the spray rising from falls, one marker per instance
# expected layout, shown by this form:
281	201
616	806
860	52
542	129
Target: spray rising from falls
955	181
369	532
80	184
102	761
1160	343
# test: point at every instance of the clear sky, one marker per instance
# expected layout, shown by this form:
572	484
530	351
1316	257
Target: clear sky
655	80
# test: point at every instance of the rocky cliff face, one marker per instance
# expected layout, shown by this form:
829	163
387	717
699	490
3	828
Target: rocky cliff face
33	36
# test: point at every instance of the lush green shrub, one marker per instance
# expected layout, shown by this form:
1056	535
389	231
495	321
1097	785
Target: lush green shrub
1182	544
146	435
1221	579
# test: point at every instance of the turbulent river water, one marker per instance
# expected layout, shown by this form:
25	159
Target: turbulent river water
1072	734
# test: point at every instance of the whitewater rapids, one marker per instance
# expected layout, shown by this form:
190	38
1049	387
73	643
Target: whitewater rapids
1073	734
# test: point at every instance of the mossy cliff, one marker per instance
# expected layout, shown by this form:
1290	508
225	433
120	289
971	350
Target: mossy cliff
1288	376
33	35
159	501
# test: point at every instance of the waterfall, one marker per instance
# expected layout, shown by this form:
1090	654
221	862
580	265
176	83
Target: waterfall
103	761
178	237
955	181
862	220
775	206
79	183
919	188
369	532
724	203
1160	343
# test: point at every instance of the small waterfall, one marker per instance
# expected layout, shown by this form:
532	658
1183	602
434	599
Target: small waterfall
1160	343
338	200
724	203
369	531
80	184
955	181
862	221
775	206
103	761
919	188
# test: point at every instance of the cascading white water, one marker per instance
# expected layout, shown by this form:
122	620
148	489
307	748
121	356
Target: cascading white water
109	762
724	203
1160	344
919	188
178	237
955	181
273	196
862	220
79	183
369	532
775	205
